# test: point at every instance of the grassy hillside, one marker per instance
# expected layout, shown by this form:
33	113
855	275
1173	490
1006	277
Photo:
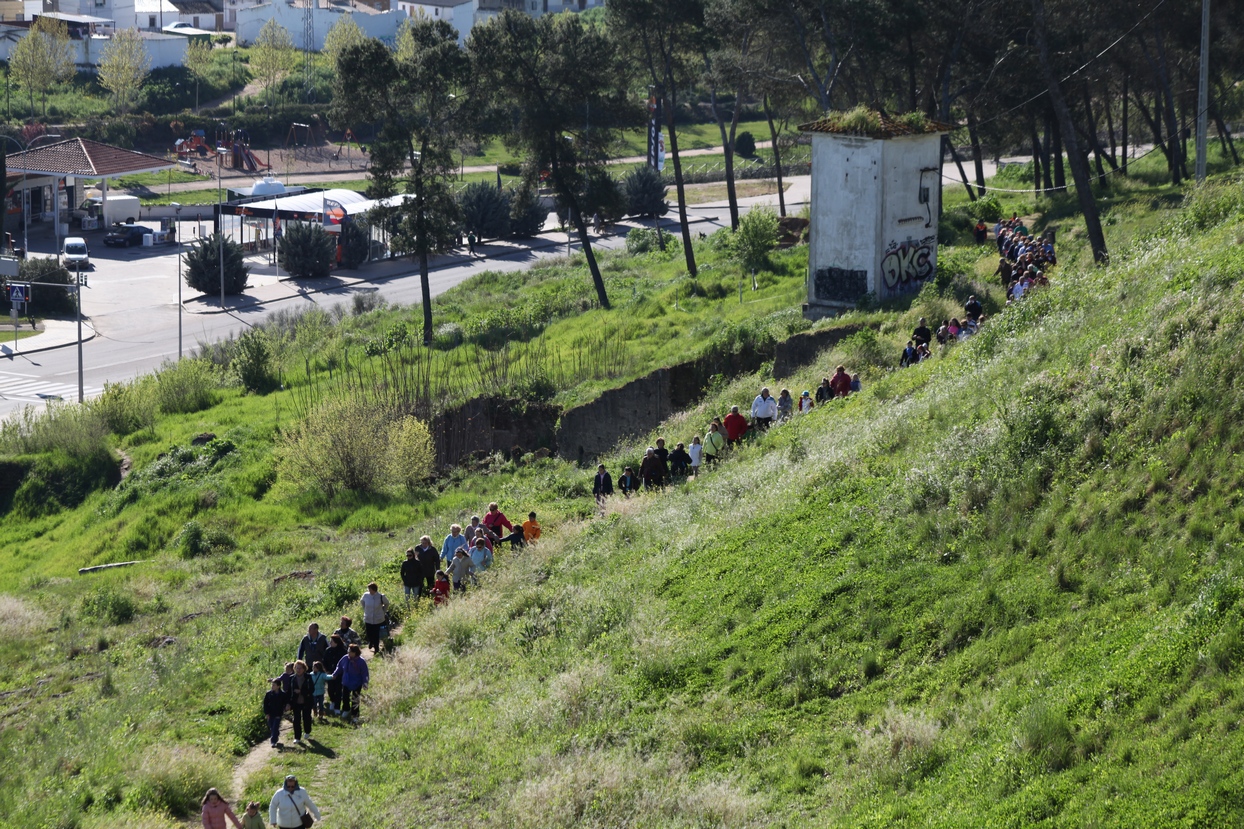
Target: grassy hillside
999	588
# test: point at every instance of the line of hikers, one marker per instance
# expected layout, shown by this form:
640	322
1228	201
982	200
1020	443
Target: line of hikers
661	466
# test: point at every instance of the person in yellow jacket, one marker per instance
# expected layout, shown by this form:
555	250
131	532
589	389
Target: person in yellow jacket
714	444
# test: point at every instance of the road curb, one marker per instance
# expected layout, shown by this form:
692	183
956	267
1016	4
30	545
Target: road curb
24	351
459	260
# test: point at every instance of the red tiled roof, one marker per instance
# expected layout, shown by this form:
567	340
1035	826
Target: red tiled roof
890	128
82	157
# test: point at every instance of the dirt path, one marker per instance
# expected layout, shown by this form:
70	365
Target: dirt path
262	753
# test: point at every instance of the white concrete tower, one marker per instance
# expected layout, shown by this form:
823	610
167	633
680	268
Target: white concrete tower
875	197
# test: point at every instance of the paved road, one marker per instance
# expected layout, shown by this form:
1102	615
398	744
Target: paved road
132	303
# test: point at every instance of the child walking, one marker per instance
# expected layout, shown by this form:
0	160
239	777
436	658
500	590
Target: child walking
320	677
274	703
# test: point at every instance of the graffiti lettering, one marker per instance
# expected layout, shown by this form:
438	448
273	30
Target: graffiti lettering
904	264
840	284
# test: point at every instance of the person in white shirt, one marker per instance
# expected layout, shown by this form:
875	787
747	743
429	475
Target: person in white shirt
764	409
289	804
375	612
696	451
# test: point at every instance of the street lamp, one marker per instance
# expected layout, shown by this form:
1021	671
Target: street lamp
220	220
177	238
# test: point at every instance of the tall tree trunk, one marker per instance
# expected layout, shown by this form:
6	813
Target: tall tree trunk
1036	155
727	146
1079	166
425	288
688	253
977	160
1165	107
1155	127
1048	154
1127	150
777	158
576	217
1114	147
1060	175
963	174
1224	135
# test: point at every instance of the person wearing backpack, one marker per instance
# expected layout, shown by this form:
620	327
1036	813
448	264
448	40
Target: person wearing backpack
353	674
289	803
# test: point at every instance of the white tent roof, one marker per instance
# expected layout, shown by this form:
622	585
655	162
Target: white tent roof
309	202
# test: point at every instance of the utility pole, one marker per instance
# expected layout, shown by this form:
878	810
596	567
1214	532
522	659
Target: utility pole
1202	101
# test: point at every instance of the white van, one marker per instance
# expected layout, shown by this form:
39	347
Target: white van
75	254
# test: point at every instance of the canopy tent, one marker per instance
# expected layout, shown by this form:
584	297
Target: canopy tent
306	206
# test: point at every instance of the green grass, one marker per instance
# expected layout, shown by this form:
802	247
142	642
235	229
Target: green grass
1000	588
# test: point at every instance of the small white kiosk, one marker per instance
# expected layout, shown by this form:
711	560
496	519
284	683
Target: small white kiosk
875	197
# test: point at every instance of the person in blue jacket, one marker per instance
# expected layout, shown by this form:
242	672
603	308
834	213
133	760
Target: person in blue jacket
352	671
453	542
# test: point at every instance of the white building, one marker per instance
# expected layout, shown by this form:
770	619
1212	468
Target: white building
875	201
154	15
90	36
377	24
459	13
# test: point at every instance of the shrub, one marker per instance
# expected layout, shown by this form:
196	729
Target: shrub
59	481
48	301
203	266
604	195
125	408
75	430
756	236
185	387
355	244
411	454
485	210
307	250
1046	734
642	240
103	604
745	144
172	779
986	208
251	361
645	193
527	212
354	444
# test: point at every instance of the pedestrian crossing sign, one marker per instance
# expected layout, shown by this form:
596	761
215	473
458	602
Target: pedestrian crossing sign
19	293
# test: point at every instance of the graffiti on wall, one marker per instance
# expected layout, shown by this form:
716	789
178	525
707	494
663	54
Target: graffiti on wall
905	265
839	284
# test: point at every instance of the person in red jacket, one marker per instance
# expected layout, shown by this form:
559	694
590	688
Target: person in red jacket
736	426
841	382
495	519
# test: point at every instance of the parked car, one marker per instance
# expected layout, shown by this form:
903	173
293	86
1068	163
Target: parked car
122	236
75	255
179	26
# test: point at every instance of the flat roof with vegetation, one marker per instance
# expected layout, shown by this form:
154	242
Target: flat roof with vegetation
870	123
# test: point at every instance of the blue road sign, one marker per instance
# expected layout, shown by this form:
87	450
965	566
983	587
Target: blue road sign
17	293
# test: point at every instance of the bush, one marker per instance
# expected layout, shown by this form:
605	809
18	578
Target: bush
603	195
485	210
203	266
125	408
185	387
645	193
527	212
355	244
411	454
986	209
251	361
358	445
59	481
745	144
103	604
48	301
307	250
172	779
77	431
756	236
643	240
